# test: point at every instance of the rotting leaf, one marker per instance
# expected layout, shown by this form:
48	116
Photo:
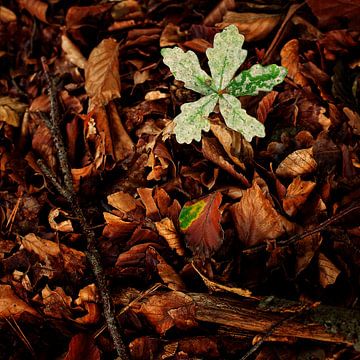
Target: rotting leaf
200	222
102	79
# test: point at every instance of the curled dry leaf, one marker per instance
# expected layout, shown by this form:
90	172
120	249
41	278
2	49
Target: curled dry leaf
328	272
305	251
200	222
102	78
300	162
164	311
147	198
82	346
36	8
254	26
11	305
256	220
63	226
87	294
296	195
72	52
167	274
265	106
167	230
10	110
116	228
290	59
56	303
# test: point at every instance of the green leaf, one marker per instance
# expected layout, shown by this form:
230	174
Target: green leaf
185	67
200	222
257	78
237	119
226	56
194	118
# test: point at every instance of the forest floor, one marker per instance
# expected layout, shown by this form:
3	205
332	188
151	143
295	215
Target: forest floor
94	262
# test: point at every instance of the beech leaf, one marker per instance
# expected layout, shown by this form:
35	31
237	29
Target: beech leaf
102	78
200	222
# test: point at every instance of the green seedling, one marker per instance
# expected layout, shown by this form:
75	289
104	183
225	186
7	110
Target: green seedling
225	59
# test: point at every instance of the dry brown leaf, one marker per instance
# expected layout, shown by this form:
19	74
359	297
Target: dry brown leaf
122	201
11	305
6	15
72	52
328	272
305	251
212	151
296	195
82	346
300	162
87	294
171	35
57	303
167	310
213	286
218	12
290	59
117	228
63	226
265	106
167	274
167	230
146	196
102	78
354	120
256	220
10	110
234	144
36	8
254	26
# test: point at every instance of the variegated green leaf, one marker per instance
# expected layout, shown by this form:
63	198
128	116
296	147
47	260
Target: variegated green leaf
257	78
185	67
237	119
226	56
194	118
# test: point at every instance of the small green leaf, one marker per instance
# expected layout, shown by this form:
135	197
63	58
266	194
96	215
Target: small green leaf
226	56
194	118
237	119
257	78
185	67
200	222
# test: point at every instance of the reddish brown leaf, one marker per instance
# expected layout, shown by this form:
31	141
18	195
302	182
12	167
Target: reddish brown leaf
266	105
12	305
200	222
256	220
305	250
117	228
216	15
167	230
36	8
82	346
328	271
102	79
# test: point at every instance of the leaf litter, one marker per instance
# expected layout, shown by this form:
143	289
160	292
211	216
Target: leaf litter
264	204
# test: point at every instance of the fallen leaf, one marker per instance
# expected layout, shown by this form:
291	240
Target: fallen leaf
300	162
72	52
329	12
266	105
354	120
256	220
142	347
328	272
290	59
171	35
102	79
219	11
254	26
164	311
36	8
11	305
167	230
147	198
57	303
200	222
82	346
6	15
306	248
296	195
122	201
87	294
10	110
63	226
116	228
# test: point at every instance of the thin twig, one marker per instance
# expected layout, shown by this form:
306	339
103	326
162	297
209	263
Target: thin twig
66	189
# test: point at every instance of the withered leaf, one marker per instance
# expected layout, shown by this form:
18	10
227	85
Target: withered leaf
102	78
72	52
57	303
11	304
6	15
200	222
296	195
328	272
266	105
82	346
36	8
164	311
117	228
256	220
167	230
290	59
10	110
122	201
299	162
305	251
